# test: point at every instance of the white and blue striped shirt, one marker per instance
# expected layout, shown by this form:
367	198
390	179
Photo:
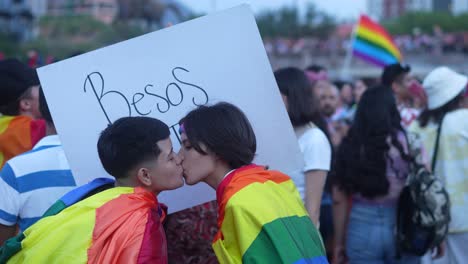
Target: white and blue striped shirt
31	182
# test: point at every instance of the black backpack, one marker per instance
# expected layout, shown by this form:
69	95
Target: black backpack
423	213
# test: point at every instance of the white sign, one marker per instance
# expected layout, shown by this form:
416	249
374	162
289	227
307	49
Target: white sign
164	75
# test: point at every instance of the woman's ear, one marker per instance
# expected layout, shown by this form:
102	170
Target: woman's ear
144	176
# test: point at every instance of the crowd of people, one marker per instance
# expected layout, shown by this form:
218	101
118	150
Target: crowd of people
360	143
437	43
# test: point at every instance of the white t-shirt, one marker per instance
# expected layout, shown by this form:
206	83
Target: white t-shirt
316	150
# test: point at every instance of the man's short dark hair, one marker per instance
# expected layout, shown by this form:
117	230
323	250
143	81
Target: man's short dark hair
224	130
128	142
394	73
16	80
316	68
44	108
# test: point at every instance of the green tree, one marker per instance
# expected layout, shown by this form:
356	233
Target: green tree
63	36
287	22
425	21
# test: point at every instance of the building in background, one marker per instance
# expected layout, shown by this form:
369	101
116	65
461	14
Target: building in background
18	17
153	14
459	6
387	9
102	10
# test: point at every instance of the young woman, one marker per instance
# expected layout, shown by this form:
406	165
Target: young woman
261	218
309	125
372	166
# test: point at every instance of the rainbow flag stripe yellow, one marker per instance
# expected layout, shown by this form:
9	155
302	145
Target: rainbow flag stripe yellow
262	219
373	44
118	225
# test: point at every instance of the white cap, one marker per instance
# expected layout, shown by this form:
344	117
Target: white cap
442	85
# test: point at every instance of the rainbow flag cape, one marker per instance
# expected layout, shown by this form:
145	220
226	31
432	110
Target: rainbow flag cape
373	44
262	219
18	134
118	225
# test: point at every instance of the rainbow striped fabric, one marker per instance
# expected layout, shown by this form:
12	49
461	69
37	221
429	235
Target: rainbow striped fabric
18	134
118	225
373	44
262	219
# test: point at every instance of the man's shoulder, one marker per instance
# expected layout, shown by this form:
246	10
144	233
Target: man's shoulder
36	155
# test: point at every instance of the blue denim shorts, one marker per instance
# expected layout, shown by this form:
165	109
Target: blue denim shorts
371	236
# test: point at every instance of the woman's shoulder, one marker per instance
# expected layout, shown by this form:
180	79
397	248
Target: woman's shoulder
313	132
457	118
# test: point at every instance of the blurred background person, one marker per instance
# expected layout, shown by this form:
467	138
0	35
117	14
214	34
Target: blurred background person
21	125
311	132
371	170
445	91
397	77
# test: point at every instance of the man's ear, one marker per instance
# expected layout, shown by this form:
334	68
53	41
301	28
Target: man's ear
24	105
143	176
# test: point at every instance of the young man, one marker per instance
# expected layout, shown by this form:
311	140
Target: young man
118	225
32	182
397	77
20	128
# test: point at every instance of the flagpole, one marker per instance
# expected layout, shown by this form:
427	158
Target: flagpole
349	54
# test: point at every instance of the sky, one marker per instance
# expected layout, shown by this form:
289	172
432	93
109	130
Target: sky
341	9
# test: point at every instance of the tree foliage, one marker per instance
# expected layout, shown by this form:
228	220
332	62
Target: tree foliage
289	22
426	21
62	36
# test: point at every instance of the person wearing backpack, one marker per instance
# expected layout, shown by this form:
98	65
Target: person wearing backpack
445	90
371	169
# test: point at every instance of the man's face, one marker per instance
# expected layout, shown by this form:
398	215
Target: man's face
401	87
347	93
329	100
163	172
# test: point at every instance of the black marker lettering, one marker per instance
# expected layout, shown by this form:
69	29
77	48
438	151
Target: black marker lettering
89	80
160	97
192	85
138	100
176	132
180	92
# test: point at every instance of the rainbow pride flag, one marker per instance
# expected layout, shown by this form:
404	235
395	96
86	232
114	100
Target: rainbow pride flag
262	219
373	44
118	225
18	134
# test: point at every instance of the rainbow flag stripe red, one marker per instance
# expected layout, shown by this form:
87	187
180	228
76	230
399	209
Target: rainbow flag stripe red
262	219
373	44
118	225
18	134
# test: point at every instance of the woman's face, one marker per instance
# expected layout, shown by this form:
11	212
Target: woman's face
197	166
359	88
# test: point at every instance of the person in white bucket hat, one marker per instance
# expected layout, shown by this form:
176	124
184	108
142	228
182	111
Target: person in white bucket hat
445	91
442	85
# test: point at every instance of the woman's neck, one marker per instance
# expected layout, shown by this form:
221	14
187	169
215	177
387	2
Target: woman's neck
215	179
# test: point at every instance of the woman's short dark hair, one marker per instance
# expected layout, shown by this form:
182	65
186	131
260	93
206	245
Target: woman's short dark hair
129	141
437	114
224	130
